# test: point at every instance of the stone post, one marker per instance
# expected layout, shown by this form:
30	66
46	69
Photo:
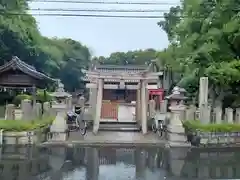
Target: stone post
203	101
152	106
218	114
69	102
176	135
143	107
205	113
10	112
93	99
98	106
38	110
46	109
203	91
229	115
27	110
190	112
138	106
237	119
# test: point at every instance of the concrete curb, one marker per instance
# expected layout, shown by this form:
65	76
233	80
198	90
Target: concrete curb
102	144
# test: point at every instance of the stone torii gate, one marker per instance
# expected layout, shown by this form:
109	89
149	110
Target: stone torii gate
96	84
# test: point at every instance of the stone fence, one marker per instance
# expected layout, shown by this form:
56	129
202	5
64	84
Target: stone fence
206	114
27	111
178	113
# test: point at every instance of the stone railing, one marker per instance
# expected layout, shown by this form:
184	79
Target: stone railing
220	138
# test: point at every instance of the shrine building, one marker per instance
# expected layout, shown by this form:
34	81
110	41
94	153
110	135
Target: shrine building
121	93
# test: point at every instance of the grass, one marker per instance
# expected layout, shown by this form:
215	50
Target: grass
194	125
24	125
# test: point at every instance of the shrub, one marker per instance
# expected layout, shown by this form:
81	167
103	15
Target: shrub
18	99
41	97
24	125
193	125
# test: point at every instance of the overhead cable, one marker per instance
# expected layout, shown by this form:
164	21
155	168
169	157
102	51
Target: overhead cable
105	2
97	10
83	15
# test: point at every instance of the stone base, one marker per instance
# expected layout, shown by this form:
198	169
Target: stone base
20	138
176	129
59	136
172	137
172	144
176	134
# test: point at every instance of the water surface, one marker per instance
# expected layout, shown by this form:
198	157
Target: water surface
111	163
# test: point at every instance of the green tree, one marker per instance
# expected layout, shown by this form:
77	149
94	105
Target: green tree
138	57
19	36
206	37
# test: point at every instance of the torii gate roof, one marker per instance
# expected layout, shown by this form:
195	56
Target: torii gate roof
127	72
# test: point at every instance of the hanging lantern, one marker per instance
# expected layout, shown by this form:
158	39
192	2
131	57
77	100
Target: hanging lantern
5	89
24	90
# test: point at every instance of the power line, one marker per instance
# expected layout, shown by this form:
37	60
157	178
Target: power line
85	15
93	15
105	2
98	10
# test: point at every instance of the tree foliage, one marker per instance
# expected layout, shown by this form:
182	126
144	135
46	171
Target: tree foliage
19	36
205	41
138	57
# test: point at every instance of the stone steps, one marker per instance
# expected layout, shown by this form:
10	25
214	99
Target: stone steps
119	126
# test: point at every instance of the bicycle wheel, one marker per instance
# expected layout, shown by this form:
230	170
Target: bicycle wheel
154	129
83	128
72	128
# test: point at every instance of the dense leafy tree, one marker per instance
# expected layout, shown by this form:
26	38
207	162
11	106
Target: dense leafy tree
205	39
19	36
138	57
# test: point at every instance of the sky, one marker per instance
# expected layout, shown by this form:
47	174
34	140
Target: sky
105	35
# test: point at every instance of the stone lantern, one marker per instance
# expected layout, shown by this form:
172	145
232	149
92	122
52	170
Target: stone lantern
177	107
177	97
61	96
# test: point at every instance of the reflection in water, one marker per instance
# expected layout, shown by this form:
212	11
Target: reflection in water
108	163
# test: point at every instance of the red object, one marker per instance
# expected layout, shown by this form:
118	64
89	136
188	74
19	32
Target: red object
157	92
109	110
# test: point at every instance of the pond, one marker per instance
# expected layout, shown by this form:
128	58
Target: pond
116	163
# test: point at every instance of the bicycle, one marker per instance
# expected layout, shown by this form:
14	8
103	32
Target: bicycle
158	127
75	123
82	126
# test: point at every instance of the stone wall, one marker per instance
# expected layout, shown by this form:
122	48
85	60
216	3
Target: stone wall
23	138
